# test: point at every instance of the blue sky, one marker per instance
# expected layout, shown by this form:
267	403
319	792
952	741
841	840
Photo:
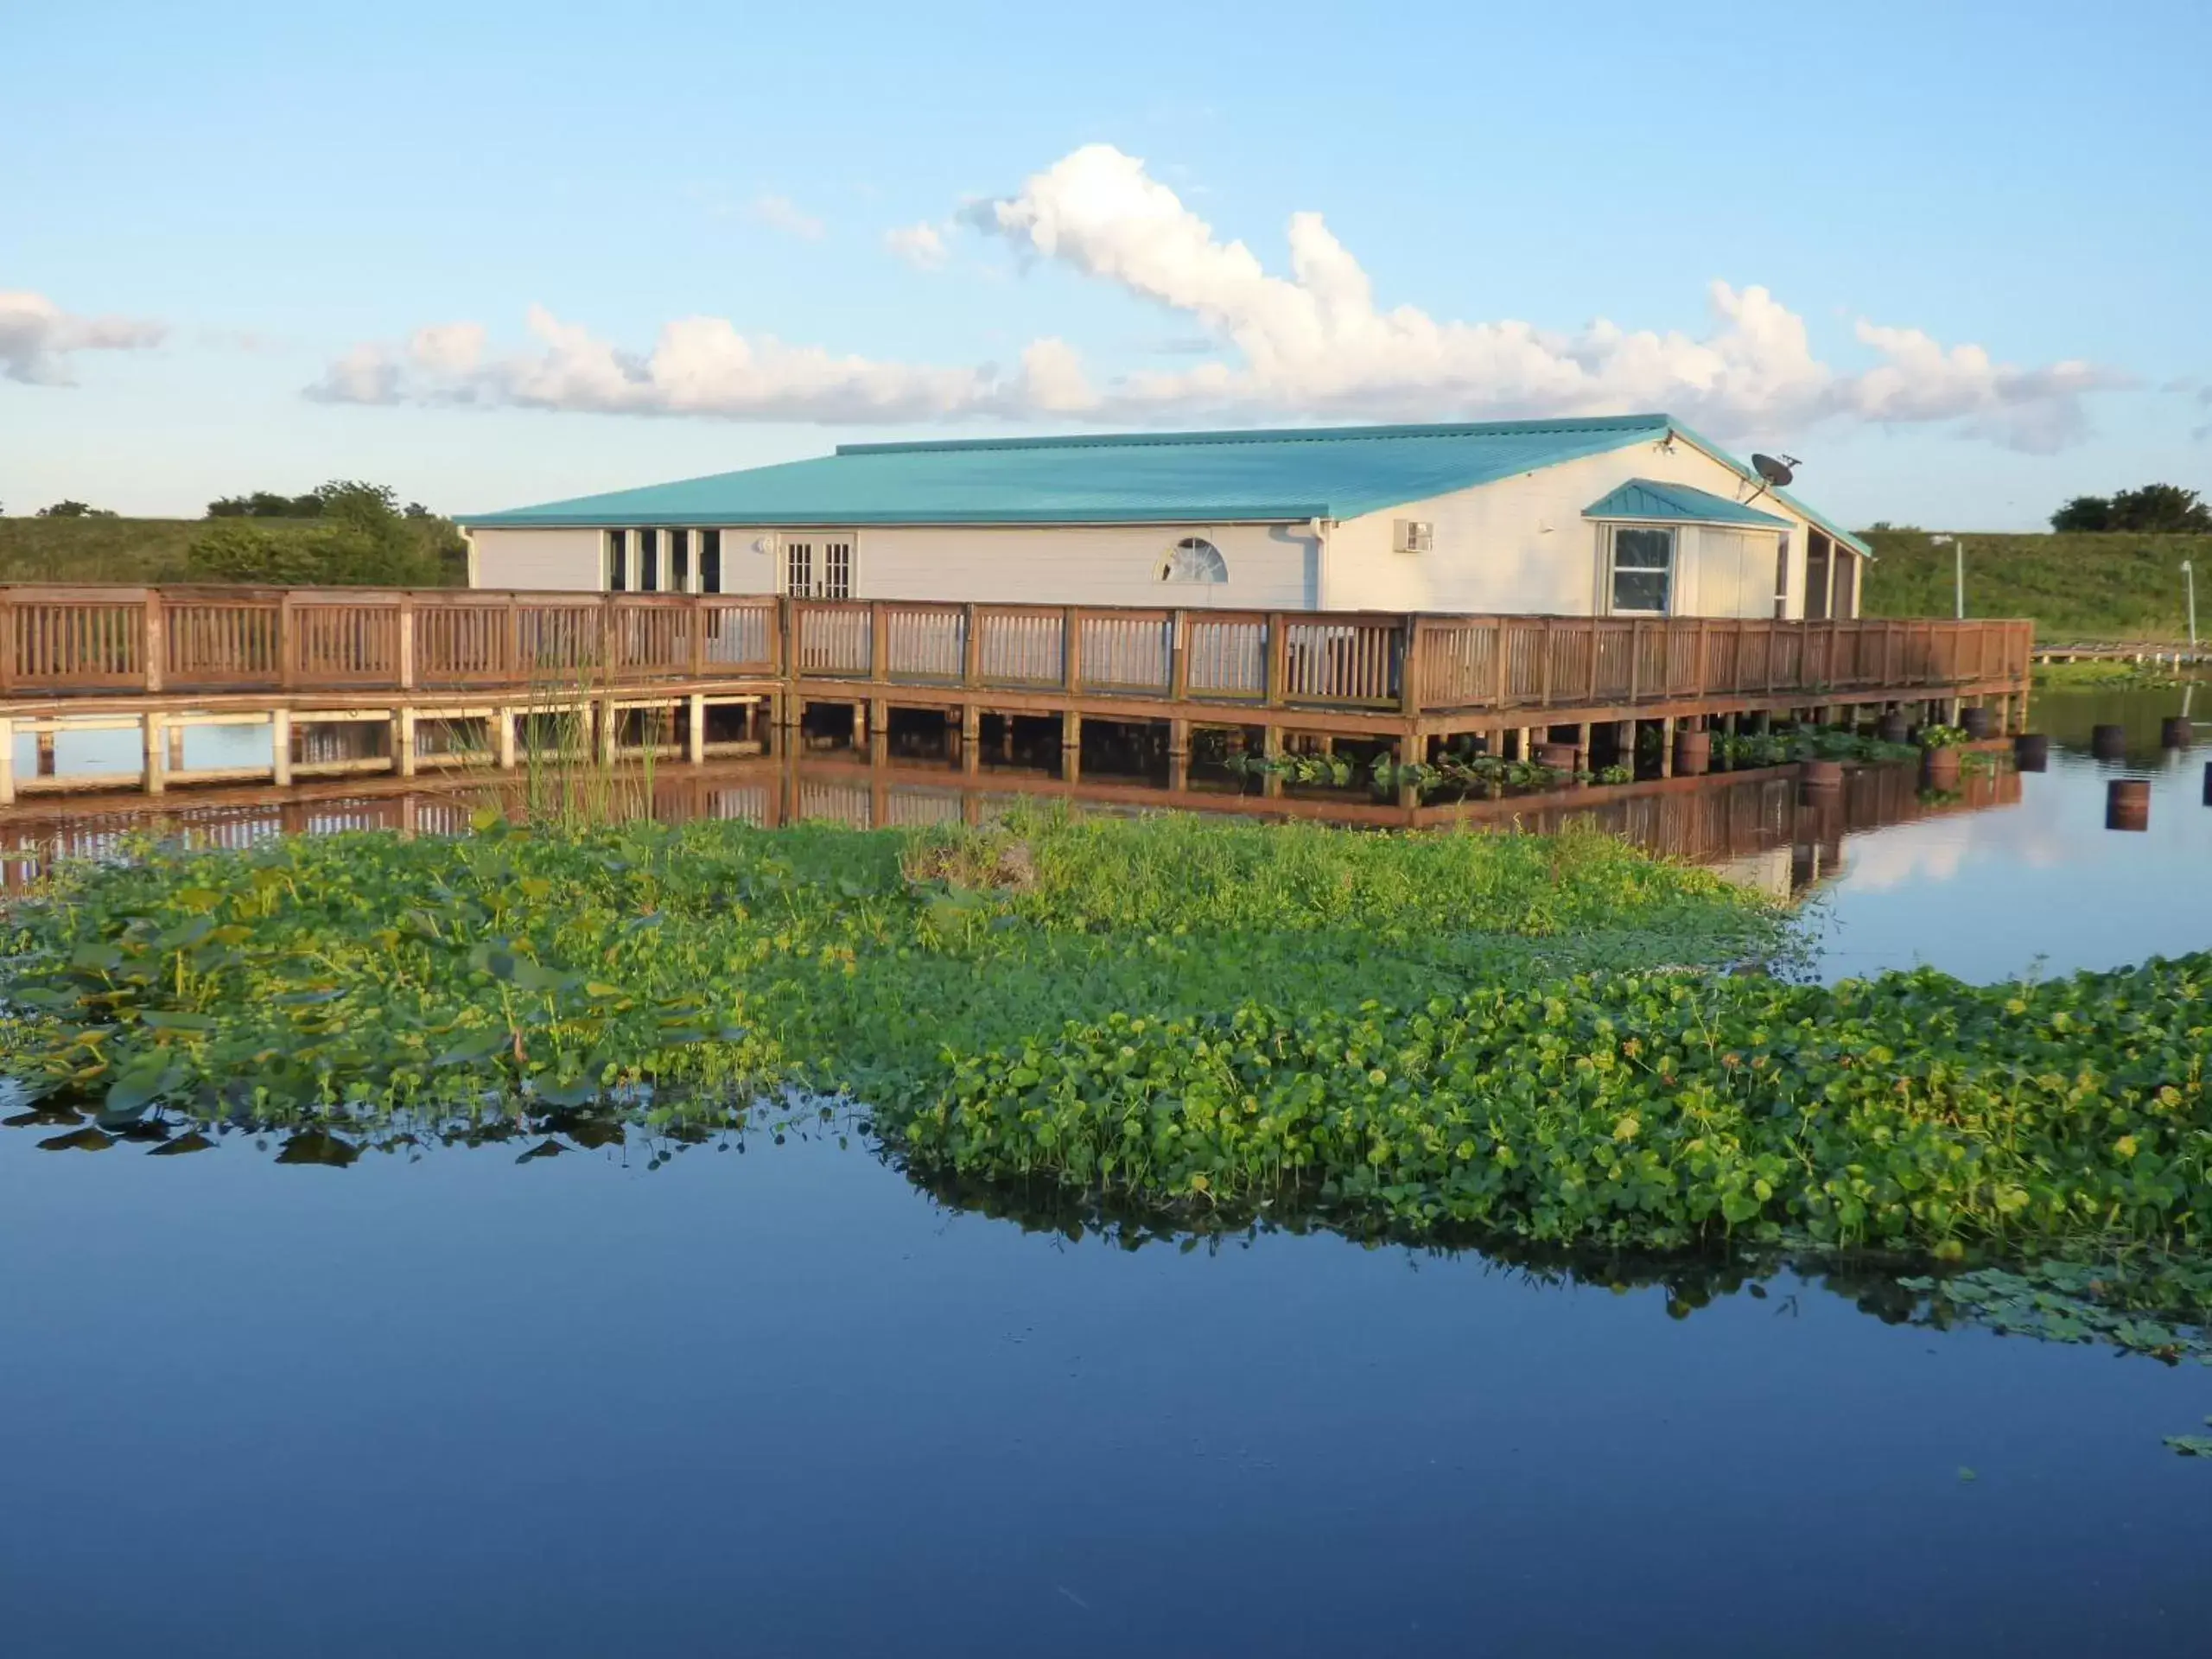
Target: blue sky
258	246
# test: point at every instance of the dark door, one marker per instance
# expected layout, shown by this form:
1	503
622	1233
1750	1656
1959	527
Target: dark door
1817	558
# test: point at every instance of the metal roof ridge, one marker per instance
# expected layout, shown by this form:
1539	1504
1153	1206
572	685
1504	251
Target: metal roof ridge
1633	422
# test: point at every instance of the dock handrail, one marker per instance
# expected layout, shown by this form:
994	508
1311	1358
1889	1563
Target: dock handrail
65	641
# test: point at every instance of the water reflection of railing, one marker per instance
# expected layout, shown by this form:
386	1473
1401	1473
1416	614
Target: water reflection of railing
1711	820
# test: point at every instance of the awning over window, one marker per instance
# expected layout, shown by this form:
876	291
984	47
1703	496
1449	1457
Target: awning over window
1647	501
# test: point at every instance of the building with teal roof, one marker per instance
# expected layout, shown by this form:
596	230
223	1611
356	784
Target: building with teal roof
1629	514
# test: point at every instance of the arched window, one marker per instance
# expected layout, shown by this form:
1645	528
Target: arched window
1194	559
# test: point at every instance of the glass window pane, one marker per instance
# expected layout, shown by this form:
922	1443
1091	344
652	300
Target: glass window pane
1639	590
1643	550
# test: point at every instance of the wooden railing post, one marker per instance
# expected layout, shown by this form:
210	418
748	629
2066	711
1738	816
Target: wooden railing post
154	636
1071	649
695	614
1409	673
608	629
971	650
1597	649
1277	661
1178	662
1635	657
407	642
1504	663
288	641
878	643
7	645
1544	669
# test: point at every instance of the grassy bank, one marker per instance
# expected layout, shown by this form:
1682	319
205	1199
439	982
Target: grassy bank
1503	1033
2109	676
130	551
2074	587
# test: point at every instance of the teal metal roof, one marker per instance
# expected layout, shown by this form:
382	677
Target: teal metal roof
1648	500
1141	478
1265	477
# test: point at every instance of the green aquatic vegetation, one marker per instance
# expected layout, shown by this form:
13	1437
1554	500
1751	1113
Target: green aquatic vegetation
555	964
2125	1303
1908	1112
2109	673
1518	1036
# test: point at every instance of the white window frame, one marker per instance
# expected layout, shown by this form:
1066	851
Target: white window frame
1674	567
1193	542
817	544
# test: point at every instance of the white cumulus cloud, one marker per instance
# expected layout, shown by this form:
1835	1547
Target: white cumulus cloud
922	246
37	337
782	214
1310	342
700	365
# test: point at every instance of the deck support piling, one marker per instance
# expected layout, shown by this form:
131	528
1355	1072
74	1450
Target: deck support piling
694	729
503	738
1271	752
971	739
1072	748
155	747
1406	751
403	742
7	761
280	748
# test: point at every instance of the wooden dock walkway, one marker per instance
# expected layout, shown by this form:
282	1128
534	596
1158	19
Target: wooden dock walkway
697	675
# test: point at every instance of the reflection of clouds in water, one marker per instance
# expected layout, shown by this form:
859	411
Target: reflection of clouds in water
2044	834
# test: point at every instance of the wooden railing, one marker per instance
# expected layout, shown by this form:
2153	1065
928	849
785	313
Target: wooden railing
71	641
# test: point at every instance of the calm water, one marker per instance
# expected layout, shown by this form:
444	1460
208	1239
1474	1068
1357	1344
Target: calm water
781	1401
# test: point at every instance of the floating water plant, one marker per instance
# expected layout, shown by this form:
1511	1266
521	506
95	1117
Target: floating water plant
1523	1036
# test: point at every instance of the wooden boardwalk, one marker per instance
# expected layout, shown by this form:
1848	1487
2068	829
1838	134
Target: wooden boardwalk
695	676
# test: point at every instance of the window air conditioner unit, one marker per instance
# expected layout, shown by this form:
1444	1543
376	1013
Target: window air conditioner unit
1413	535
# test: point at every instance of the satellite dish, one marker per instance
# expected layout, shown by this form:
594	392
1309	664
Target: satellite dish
1776	470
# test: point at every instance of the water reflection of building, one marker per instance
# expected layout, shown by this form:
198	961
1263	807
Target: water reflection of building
1762	828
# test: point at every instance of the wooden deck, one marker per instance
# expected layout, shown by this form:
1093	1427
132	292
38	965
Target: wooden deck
83	657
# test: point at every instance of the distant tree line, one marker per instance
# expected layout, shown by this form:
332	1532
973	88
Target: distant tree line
269	503
2154	510
73	509
361	538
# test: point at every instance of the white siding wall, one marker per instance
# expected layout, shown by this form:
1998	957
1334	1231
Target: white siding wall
1733	571
563	560
1270	567
1522	544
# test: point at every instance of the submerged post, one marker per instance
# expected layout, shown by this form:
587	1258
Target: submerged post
2128	803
